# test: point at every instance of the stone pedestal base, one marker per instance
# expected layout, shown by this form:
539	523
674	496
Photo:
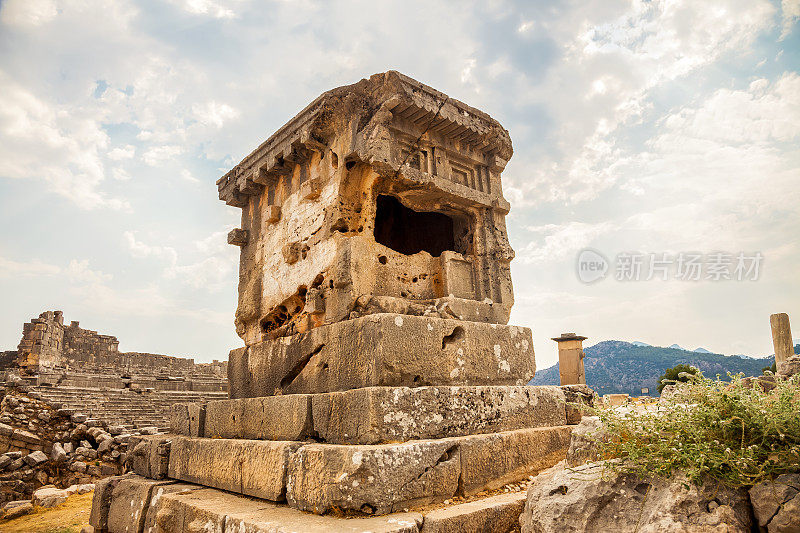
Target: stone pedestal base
384	350
171	507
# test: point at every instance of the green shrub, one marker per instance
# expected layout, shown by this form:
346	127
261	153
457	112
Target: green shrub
674	374
733	432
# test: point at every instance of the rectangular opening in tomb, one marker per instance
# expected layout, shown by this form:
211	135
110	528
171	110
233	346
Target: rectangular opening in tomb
408	232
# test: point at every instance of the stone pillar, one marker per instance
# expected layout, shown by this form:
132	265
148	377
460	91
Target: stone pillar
781	338
570	359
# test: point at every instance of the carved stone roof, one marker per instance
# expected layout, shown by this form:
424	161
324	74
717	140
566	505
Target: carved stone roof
333	110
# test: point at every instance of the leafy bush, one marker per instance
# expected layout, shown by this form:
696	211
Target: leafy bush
674	374
734	432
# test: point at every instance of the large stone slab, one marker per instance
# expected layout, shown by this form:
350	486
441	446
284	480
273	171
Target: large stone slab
398	414
375	415
251	467
384	350
495	514
213	510
269	418
390	477
140	504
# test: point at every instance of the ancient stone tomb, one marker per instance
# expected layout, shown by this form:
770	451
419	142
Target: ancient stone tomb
379	375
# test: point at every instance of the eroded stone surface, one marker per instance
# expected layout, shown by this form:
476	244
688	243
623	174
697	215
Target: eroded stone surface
389	477
375	415
254	468
384	350
583	500
381	196
495	514
776	504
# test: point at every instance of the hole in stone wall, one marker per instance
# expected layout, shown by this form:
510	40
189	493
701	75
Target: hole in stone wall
382	259
455	336
349	165
334	160
408	232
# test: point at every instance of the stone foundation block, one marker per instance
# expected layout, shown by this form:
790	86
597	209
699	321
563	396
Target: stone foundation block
373	479
384	350
375	415
213	510
385	478
149	455
251	467
269	418
493	460
398	414
130	500
496	514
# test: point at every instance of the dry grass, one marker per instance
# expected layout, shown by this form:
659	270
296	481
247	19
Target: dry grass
69	517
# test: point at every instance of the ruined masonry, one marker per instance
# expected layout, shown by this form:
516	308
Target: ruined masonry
379	387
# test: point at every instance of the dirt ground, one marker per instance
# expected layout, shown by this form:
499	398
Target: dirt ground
69	517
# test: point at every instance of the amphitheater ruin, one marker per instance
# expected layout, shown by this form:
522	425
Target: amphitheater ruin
379	387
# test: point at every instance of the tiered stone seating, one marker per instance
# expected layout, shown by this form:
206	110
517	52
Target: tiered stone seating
124	406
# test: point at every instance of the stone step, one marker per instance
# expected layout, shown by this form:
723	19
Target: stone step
376	415
132	503
376	479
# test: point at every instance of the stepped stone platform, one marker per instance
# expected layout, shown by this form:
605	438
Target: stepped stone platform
380	387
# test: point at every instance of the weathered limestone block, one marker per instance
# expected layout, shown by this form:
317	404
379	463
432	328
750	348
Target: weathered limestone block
389	477
388	165
583	500
384	350
270	418
390	414
254	468
213	510
373	479
149	455
495	514
583	441
495	459
577	396
130	500
776	504
374	415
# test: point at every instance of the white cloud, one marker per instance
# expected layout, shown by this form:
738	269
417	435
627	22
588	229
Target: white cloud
21	269
791	12
120	174
79	271
220	10
161	154
27	13
122	152
214	113
560	240
57	144
140	249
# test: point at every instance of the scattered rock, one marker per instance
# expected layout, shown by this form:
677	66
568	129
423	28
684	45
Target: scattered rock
776	504
36	458
49	497
790	367
585	500
57	454
582	443
16	509
79	418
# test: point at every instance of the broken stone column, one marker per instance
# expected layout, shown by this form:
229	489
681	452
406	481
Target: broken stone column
781	338
378	373
570	359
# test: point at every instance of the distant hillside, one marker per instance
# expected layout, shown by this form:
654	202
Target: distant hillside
622	367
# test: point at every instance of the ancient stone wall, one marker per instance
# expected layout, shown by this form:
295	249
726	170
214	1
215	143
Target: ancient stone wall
77	357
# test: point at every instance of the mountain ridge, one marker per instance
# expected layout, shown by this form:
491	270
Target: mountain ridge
623	367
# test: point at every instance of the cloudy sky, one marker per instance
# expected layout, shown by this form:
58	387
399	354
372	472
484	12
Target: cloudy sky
639	127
